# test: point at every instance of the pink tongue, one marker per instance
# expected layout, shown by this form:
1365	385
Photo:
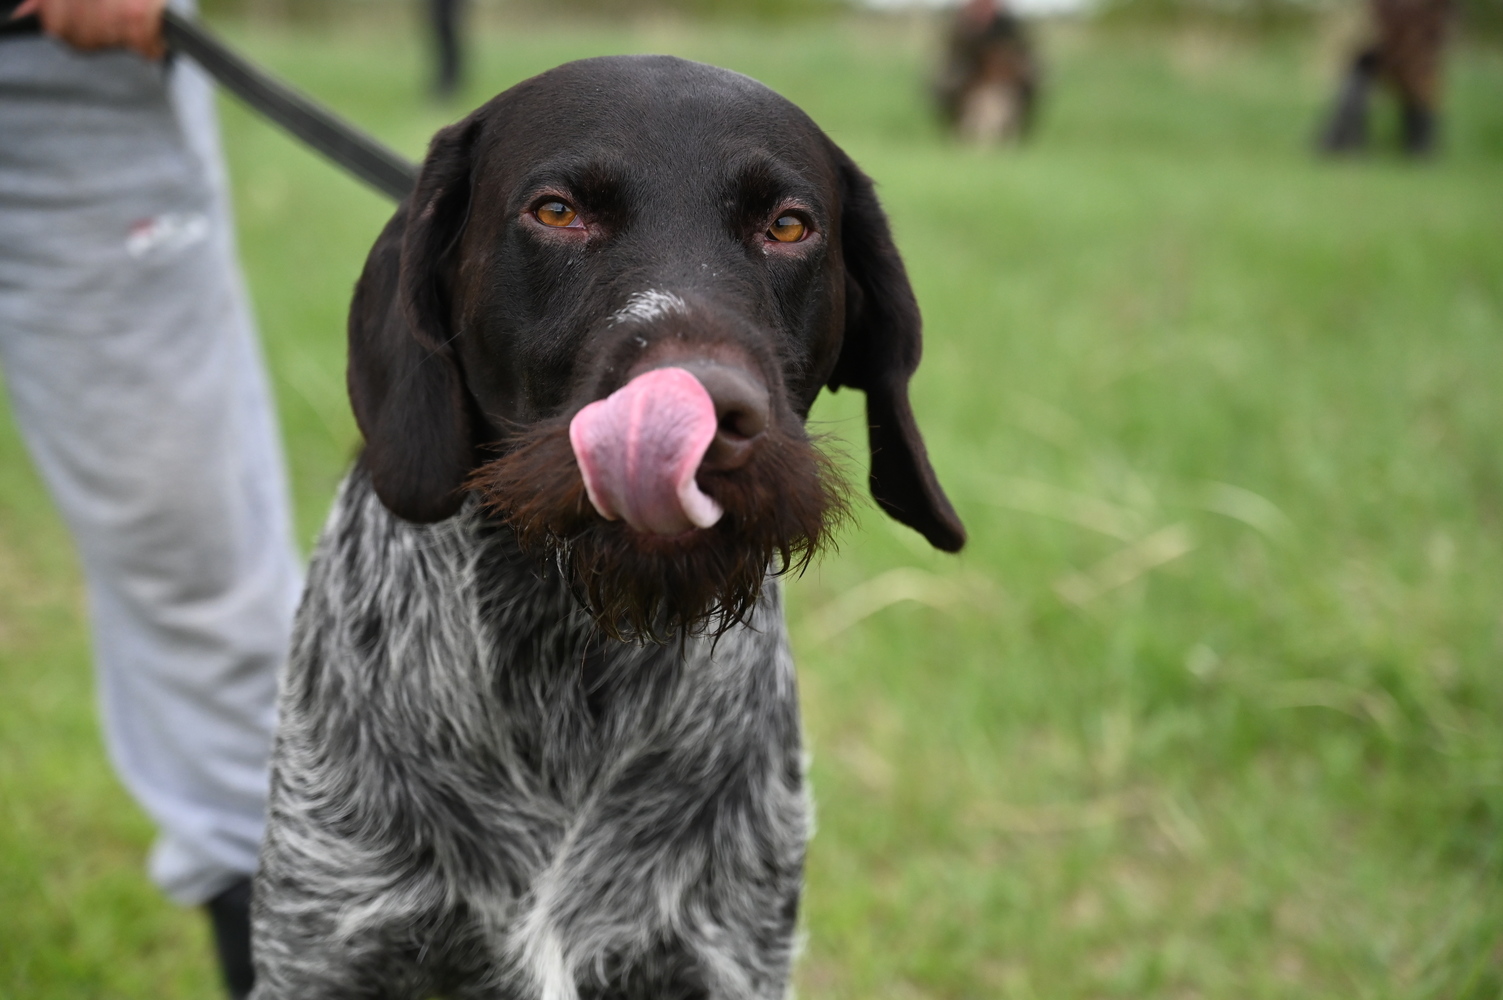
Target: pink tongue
639	448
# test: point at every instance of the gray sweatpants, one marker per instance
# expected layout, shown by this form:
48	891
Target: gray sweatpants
129	354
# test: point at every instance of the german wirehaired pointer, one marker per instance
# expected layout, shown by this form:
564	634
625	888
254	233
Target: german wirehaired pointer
539	735
988	81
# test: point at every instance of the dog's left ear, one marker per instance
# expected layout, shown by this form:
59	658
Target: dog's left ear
878	355
405	383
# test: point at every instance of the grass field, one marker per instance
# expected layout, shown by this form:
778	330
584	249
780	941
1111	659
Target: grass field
1211	706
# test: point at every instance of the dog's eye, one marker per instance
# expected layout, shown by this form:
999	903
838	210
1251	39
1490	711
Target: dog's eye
558	214
787	229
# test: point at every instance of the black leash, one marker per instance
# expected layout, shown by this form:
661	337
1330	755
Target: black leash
315	125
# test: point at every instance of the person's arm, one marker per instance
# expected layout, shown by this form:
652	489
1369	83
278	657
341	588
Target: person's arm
102	24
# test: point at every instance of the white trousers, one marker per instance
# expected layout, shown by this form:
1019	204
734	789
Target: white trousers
136	380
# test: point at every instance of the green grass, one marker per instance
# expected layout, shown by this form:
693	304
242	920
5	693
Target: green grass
1210	707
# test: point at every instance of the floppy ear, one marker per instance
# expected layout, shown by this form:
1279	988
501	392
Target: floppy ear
879	354
404	378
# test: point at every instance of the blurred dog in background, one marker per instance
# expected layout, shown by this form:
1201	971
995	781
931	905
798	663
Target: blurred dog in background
988	82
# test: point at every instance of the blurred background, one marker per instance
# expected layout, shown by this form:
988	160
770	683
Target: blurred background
1212	704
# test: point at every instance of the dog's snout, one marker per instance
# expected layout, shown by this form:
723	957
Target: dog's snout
742	411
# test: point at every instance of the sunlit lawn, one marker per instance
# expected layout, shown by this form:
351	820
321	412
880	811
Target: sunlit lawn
1211	706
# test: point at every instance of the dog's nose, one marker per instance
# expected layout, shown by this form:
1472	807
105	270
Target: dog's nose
742	411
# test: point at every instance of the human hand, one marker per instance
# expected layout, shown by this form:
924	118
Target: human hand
102	24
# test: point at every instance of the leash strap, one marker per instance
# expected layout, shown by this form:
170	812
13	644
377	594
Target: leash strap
315	125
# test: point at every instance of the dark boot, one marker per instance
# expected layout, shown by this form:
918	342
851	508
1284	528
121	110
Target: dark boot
1420	127
446	18
229	912
1346	132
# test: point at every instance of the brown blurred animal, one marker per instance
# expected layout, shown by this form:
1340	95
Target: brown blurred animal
988	83
1404	55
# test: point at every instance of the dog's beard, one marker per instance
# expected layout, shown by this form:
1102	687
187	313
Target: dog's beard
780	509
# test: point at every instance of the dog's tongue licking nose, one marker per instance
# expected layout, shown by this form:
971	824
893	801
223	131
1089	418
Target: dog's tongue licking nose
639	449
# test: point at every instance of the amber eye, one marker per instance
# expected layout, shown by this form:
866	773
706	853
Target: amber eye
555	213
788	229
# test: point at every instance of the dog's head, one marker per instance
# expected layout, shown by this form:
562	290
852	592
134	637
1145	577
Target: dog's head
608	306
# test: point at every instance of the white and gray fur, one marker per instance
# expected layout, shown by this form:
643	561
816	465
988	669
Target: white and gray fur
468	776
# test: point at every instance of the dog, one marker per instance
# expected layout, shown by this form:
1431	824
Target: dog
539	734
988	82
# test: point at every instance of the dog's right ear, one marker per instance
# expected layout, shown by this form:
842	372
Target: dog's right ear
405	383
878	355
